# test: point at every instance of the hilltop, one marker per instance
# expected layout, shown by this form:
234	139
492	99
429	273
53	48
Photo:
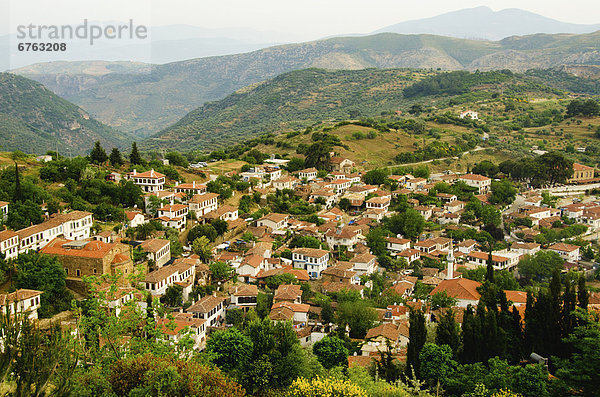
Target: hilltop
484	23
146	103
305	98
35	120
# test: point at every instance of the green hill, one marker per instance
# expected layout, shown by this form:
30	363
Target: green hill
35	120
303	98
145	103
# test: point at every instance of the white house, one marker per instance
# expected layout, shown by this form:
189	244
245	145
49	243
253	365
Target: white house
244	296
3	210
313	260
382	203
202	204
209	308
568	252
410	255
397	245
149	181
22	301
482	183
135	218
309	174
286	182
273	221
190	189
158	251
500	260
173	215
286	311
75	225
364	264
184	325
9	244
158	281
348	236
525	248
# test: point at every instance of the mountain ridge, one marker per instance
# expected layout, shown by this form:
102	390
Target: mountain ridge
145	103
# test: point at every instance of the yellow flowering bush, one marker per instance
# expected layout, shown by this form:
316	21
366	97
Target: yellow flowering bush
506	393
324	387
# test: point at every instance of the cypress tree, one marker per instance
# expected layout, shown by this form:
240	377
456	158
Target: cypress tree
417	333
489	274
18	196
471	337
583	295
134	157
446	332
115	158
98	155
515	343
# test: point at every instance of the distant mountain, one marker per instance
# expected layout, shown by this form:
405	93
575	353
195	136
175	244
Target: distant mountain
302	98
165	44
484	23
145	103
35	120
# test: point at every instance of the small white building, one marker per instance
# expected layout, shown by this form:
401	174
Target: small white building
159	251
397	245
313	260
3	210
22	301
568	252
9	244
309	174
469	114
364	264
482	183
209	308
202	204
173	215
135	218
273	221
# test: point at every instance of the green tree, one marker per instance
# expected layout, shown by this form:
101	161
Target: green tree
98	154
503	192
317	156
358	316
173	297
376	177
230	349
220	226
134	157
331	352
436	363
221	271
115	158
447	332
540	265
579	373
201	247
409	224
417	337
442	300
44	273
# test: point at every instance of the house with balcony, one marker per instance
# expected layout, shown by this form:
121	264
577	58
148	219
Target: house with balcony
157	250
190	189
243	296
173	215
209	308
75	225
149	181
202	204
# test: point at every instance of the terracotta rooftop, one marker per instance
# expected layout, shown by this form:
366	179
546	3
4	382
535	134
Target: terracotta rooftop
459	288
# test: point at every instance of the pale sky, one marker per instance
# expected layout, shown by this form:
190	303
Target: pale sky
306	19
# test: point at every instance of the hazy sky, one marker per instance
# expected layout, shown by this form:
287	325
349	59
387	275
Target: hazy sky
306	19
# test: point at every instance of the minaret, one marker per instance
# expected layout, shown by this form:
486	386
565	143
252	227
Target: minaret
450	260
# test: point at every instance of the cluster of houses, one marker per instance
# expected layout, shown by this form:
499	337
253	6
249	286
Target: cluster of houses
69	237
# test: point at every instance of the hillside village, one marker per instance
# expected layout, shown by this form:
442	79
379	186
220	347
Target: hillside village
310	241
